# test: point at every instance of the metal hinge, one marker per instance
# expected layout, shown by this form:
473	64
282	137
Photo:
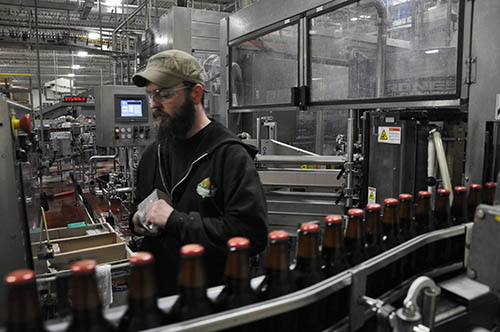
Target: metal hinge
227	60
471	64
227	95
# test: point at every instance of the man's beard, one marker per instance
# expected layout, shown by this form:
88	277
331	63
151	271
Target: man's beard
177	125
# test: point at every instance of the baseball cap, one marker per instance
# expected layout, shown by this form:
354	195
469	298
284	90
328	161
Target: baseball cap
169	68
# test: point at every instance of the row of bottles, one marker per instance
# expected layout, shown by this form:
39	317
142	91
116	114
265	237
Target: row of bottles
369	232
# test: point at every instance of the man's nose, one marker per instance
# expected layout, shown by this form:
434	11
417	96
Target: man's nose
154	103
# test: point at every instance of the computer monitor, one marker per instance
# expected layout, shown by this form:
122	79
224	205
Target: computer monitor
131	108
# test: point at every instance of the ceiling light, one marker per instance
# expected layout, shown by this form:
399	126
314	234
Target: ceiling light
71	75
354	19
431	51
94	35
76	67
82	53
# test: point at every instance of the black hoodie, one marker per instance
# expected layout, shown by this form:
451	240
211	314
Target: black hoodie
218	196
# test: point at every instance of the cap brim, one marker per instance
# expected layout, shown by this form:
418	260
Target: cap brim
158	78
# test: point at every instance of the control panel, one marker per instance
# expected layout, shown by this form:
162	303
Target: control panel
123	116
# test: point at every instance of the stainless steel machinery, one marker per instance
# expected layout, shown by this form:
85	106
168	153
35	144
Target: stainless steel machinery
19	203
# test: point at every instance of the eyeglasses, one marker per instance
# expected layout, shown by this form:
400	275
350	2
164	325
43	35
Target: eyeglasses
164	94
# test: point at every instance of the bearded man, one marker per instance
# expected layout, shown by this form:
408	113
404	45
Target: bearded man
208	173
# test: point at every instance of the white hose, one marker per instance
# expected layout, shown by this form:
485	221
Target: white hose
431	161
443	166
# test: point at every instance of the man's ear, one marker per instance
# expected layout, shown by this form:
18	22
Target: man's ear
197	93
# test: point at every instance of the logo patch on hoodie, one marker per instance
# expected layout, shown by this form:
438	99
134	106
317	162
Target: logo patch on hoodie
205	188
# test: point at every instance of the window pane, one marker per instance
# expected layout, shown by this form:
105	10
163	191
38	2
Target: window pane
264	69
380	49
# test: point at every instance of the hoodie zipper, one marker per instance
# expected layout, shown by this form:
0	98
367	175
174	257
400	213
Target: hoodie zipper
171	193
187	174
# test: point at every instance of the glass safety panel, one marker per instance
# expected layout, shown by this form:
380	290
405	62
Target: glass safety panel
385	49
264	69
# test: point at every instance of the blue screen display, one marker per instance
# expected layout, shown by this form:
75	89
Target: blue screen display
131	108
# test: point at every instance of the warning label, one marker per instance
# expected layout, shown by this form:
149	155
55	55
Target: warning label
389	135
372	195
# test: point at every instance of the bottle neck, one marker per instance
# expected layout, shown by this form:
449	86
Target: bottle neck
192	273
442	212
355	230
390	222
489	195
23	305
308	246
373	228
474	197
142	283
405	218
278	257
85	296
237	265
333	237
308	253
423	215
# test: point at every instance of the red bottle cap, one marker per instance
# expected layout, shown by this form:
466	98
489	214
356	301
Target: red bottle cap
390	201
443	192
491	184
403	197
20	277
83	267
309	227
278	236
141	258
238	243
460	189
192	250
374	207
333	219
355	213
423	193
476	186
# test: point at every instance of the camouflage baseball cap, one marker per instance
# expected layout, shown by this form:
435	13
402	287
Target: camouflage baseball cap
169	68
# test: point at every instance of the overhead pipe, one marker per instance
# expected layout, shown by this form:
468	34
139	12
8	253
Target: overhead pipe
381	9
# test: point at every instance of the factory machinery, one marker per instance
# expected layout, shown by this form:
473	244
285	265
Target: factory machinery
368	99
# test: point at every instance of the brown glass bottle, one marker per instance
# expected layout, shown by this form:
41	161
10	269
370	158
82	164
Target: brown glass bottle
237	290
333	250
307	271
354	238
278	282
23	307
423	217
458	208
473	200
442	217
87	307
405	217
142	312
390	223
425	223
392	237
489	193
192	301
373	230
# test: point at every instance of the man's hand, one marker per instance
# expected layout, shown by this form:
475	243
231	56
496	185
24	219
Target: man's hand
157	214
